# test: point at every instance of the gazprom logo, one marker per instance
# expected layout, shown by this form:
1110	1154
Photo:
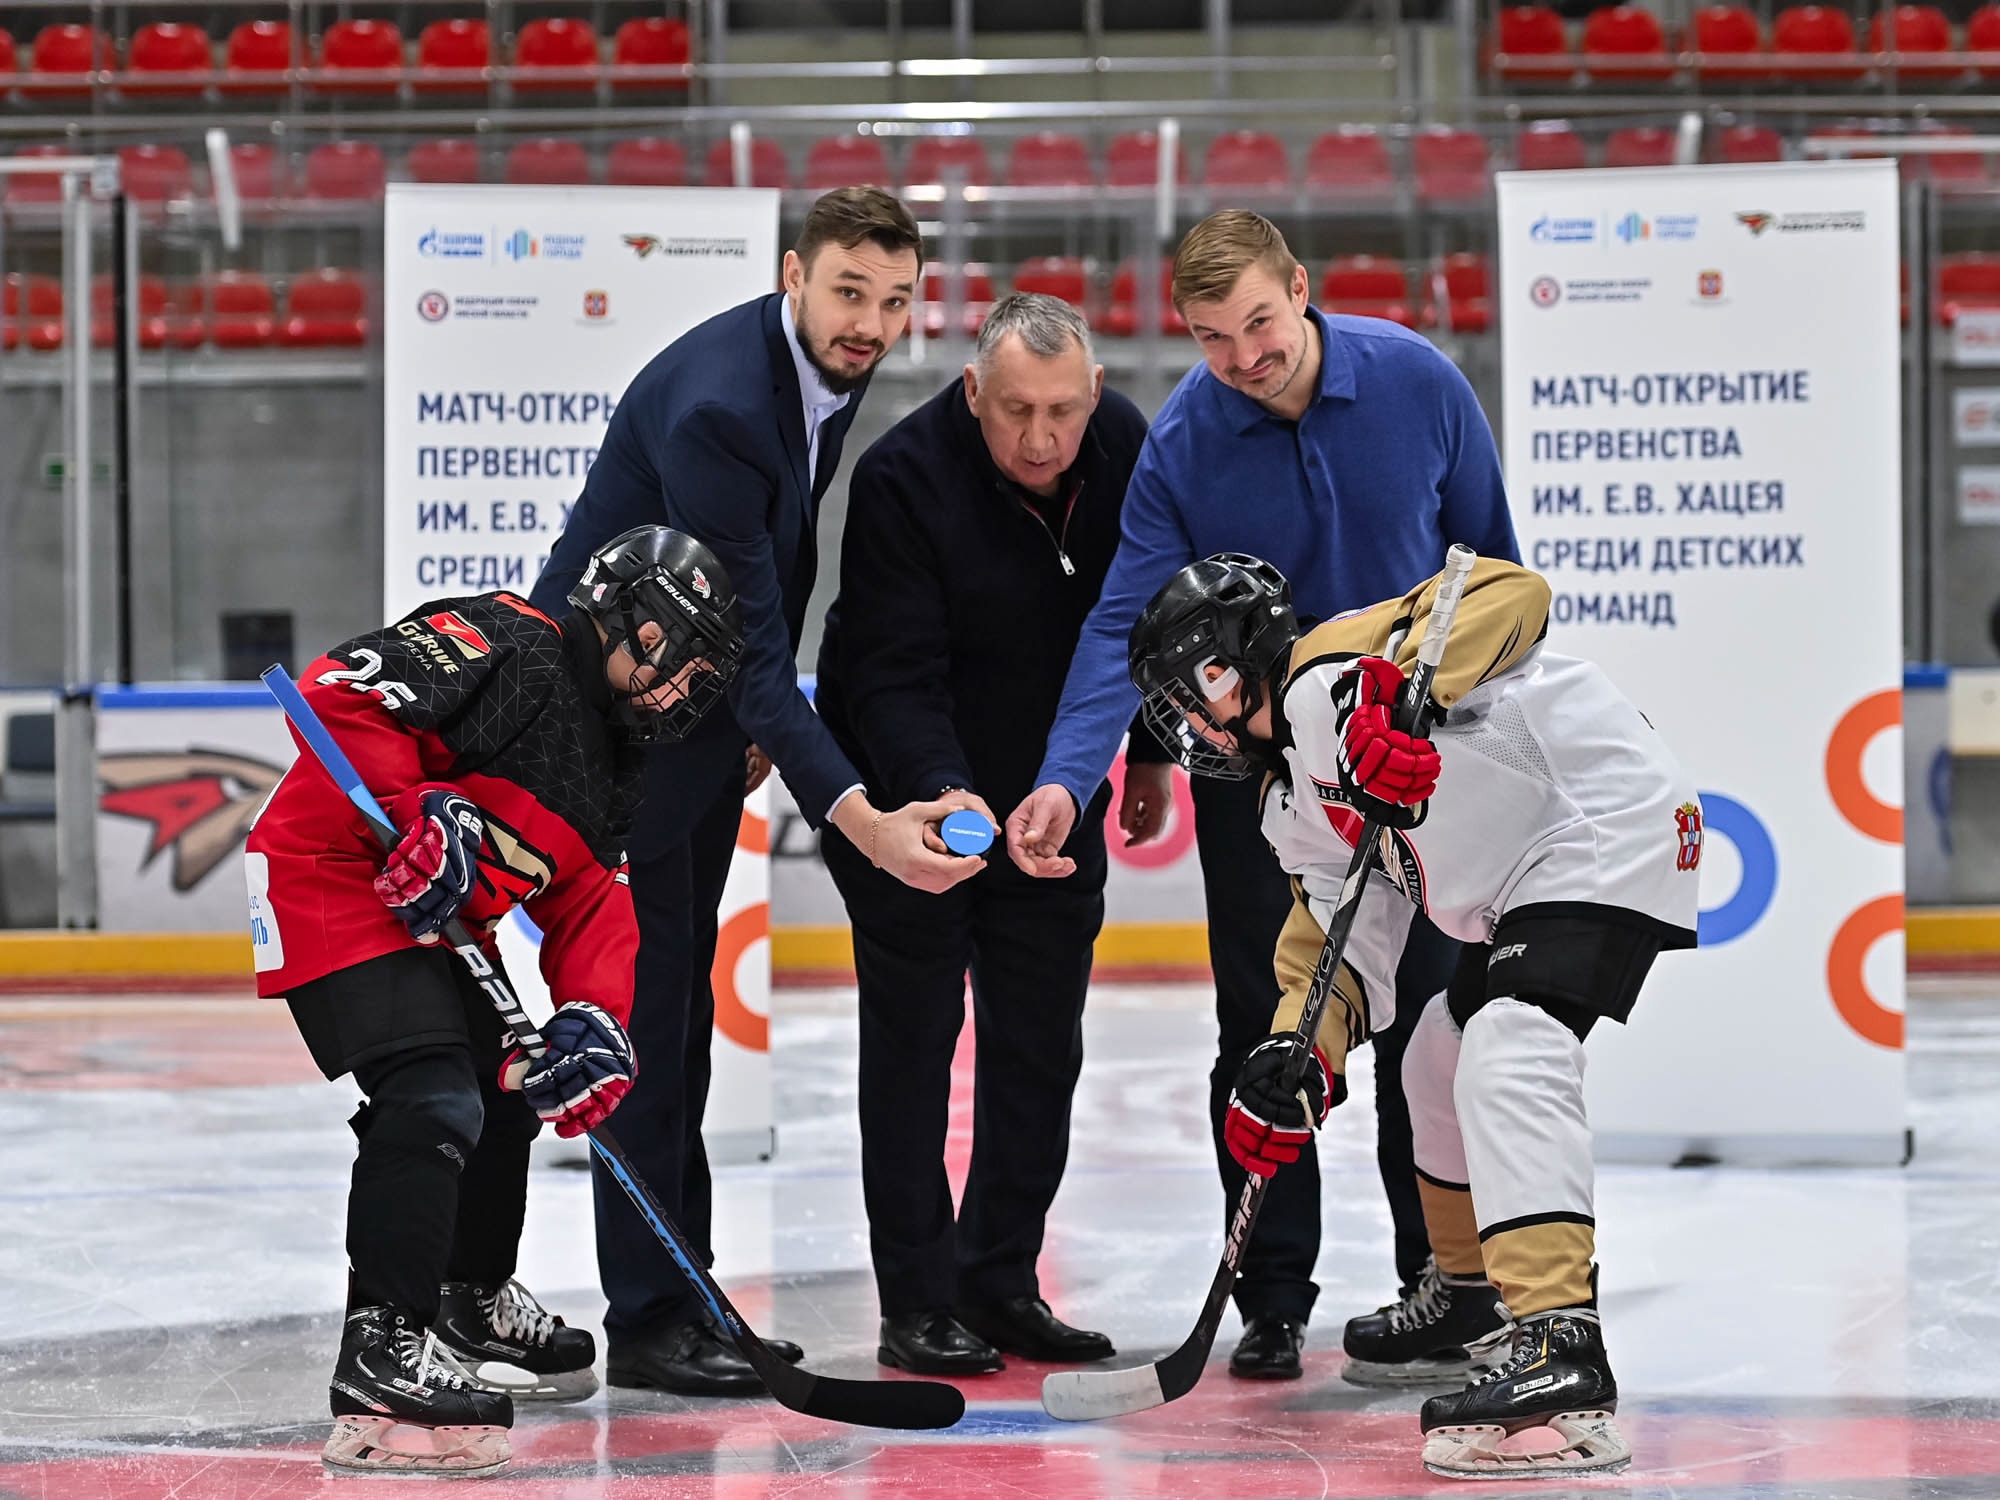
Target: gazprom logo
1563	229
520	245
452	244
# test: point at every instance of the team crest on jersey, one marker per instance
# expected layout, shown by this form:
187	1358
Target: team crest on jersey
1687	818
471	644
1396	857
510	866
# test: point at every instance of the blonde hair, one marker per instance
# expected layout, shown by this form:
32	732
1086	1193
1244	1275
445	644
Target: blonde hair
1218	250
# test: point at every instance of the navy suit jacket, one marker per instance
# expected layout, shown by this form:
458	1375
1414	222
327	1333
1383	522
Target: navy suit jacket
710	438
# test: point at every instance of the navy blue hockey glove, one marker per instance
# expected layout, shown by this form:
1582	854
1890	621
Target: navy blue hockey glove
588	1068
431	870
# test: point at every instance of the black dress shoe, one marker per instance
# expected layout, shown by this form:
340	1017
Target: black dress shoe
1269	1349
1025	1326
935	1343
785	1349
687	1358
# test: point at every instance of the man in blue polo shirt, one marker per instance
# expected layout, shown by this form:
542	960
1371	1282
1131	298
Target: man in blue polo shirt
1350	454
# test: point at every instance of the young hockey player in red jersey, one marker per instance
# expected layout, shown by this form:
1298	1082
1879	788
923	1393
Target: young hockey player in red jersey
508	748
1536	816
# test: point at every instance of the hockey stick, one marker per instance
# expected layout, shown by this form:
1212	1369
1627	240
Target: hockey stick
1086	1395
863	1403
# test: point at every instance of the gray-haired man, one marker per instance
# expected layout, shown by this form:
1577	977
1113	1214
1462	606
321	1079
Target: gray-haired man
978	533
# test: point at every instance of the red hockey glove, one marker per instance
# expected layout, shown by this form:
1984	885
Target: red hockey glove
431	870
1388	766
1265	1128
588	1068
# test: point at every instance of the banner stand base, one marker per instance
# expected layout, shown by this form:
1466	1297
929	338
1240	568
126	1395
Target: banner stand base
737	1148
1883	1149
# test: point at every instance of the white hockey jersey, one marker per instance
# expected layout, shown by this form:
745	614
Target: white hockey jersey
1553	788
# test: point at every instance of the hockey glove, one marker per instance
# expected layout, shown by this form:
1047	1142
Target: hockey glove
588	1068
431	871
1265	1128
1388	766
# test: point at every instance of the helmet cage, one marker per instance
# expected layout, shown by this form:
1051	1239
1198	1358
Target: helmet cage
691	632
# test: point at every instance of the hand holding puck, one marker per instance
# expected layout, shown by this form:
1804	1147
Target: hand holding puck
966	832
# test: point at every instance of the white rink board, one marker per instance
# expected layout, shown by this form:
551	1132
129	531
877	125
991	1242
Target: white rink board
1755	615
514	319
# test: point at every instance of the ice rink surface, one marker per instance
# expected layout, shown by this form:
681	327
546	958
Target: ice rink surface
171	1279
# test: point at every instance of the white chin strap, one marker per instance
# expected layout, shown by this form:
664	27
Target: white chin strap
1218	687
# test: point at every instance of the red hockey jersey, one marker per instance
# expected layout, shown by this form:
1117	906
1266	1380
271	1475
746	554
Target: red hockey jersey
490	696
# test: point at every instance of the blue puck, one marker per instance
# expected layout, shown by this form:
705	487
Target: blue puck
966	832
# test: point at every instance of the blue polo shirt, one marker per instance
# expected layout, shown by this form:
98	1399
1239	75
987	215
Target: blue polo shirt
1354	503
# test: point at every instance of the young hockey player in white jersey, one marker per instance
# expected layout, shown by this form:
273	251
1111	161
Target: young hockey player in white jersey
1560	846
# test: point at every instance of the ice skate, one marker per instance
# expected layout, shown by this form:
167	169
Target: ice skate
402	1405
1448	1330
1547	1413
512	1345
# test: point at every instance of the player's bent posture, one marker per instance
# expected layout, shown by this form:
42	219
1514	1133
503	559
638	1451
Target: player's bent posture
1560	846
507	746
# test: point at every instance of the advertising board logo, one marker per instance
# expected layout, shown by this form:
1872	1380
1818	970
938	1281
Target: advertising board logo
434	307
596	304
1632	228
642	245
196	804
1756	223
520	245
1835	221
1563	229
1709	284
688	247
452	244
1545	291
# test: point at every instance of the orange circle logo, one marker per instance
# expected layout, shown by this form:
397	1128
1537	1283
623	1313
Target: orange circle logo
1844	959
733	1018
1844	749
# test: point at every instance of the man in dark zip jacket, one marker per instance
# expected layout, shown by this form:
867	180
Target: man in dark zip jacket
979	529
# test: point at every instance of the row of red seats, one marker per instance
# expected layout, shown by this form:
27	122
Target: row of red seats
1806	44
1553	145
232	310
170	58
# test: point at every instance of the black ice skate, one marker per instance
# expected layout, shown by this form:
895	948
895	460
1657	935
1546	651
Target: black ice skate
511	1344
1446	1331
401	1403
1545	1413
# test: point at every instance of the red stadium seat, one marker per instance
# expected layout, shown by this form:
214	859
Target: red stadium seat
839	161
934	155
1050	159
10	60
1467	304
241	310
1133	160
1247	159
256	57
37	187
1639	146
447	159
1549	146
324	309
67	50
1745	143
560	45
646	161
652	42
1121	319
1353	160
549	162
1529	42
256	166
1367	286
1626	31
169	47
361	47
1054	276
1815	31
1982	34
154	174
978	293
1731	40
33	312
345	170
452	57
1968	280
768	167
160	320
1919	28
1451	164
1952	171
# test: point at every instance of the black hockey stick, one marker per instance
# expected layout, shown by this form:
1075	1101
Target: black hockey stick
1085	1395
864	1403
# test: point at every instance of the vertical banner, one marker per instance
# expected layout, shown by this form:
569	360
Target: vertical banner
1702	419
514	319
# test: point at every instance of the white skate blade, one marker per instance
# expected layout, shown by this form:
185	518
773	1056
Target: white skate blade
1571	1443
1091	1395
524	1385
382	1445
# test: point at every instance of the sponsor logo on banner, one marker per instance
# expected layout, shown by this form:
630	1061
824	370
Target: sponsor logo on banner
1596	289
1756	223
1561	229
498	308
434	307
562	246
452	244
1979	496
1545	291
197	803
520	245
1975	336
688	247
1633	227
1837	221
596	304
1709	285
1975	416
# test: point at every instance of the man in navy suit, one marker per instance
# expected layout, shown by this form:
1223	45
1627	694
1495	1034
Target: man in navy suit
732	434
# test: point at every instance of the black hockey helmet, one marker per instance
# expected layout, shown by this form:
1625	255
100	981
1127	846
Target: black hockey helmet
665	576
1230	610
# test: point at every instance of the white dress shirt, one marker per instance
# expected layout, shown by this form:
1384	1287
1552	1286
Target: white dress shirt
820	403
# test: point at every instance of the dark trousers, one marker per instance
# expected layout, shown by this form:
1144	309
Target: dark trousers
1027	944
1248	898
676	890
